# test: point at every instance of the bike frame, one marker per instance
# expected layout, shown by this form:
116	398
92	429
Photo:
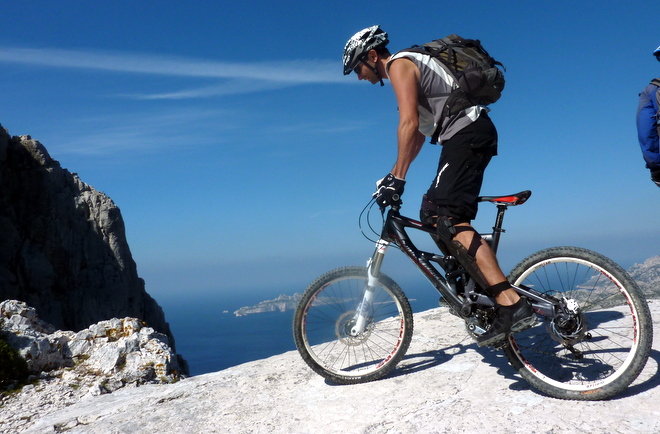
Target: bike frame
394	232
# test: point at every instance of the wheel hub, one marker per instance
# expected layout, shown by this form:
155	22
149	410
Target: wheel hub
570	326
344	326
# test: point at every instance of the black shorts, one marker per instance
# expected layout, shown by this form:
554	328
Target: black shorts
456	187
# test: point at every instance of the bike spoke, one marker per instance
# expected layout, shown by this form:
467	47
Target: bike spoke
328	316
596	349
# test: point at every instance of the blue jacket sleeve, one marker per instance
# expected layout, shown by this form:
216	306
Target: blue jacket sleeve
647	131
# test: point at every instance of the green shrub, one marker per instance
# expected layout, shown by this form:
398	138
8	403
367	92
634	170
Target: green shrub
13	369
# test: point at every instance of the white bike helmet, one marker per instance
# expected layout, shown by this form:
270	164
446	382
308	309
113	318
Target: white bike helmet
656	53
358	46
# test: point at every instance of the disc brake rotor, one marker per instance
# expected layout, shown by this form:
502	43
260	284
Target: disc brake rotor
345	324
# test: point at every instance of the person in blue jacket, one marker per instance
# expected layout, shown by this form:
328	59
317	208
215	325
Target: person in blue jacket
648	125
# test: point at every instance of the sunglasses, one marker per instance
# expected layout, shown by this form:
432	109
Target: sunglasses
358	67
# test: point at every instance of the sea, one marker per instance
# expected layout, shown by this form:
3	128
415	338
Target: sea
211	338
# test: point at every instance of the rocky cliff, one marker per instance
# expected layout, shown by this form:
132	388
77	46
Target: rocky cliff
647	275
63	248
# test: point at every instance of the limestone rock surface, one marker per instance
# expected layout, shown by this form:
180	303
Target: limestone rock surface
445	384
647	275
67	366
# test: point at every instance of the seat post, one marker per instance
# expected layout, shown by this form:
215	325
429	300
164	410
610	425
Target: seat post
497	229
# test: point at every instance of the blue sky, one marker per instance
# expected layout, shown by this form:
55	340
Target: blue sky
241	157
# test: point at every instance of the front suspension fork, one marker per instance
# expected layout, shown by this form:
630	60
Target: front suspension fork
373	271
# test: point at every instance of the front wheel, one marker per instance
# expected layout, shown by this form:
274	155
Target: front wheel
325	319
601	348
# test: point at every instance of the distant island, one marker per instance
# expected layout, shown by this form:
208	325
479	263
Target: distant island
280	304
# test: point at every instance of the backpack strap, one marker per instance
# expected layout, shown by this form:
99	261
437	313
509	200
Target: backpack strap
433	53
436	133
456	102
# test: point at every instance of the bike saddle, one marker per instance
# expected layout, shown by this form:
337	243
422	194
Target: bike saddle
508	200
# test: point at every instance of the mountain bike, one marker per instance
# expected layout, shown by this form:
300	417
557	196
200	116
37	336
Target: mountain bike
592	339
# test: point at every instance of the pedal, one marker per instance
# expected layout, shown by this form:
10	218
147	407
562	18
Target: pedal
473	328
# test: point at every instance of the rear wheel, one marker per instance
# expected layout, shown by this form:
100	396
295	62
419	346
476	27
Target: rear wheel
599	350
326	314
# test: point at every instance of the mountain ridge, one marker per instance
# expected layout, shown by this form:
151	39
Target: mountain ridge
63	247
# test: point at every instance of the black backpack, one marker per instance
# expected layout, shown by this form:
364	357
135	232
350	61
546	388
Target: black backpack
479	78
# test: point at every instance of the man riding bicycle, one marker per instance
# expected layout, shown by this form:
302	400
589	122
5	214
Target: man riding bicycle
469	140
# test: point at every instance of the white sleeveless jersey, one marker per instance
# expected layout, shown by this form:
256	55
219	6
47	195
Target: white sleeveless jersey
436	83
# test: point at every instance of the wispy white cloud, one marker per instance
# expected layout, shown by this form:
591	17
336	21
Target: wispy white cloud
227	87
231	77
289	72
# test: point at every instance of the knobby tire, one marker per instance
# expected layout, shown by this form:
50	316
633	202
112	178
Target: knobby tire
608	354
326	313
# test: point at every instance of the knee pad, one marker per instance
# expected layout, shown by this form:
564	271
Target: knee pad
446	229
428	217
467	257
428	213
468	262
446	232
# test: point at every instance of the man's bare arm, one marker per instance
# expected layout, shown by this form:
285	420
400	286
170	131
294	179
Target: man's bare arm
404	76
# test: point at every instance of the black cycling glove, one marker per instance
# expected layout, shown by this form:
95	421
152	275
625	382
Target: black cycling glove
389	191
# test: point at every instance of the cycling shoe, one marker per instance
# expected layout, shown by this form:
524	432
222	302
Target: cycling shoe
508	319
